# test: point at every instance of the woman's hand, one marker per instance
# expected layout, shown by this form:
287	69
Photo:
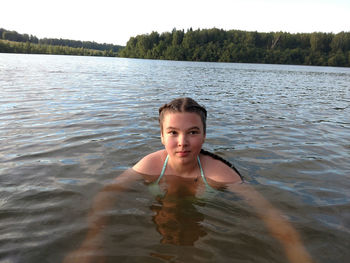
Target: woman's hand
97	218
279	227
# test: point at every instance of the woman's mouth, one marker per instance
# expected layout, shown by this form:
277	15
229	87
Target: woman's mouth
182	153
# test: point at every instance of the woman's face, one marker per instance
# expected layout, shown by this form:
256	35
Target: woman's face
182	135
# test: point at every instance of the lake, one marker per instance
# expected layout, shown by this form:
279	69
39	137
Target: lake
70	125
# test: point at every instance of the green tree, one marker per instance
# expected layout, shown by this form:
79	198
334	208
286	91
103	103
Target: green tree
241	46
338	59
320	42
341	41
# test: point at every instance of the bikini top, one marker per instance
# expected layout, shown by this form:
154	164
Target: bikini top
155	189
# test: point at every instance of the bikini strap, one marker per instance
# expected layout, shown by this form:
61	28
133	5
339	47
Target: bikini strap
202	173
200	167
163	170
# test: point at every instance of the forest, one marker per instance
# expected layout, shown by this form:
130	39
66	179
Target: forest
13	42
210	45
217	45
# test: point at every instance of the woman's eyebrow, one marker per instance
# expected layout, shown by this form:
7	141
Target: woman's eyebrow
174	128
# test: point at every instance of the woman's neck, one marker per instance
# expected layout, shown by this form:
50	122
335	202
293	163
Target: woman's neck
186	170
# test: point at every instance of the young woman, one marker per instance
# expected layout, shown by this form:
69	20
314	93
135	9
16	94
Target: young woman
183	130
183	169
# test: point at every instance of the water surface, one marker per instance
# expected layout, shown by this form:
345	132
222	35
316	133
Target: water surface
69	125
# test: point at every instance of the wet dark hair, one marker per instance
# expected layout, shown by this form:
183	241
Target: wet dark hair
217	157
190	105
183	105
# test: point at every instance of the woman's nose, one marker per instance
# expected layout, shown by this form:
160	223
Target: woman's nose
182	140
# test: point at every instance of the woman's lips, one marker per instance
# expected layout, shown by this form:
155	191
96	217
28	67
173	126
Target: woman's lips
183	153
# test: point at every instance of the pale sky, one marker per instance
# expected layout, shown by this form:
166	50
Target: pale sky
113	21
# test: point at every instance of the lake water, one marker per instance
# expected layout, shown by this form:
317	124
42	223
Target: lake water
69	125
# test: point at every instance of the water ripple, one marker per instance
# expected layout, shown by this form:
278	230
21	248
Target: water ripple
71	124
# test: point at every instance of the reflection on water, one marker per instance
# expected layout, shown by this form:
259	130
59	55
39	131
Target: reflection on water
176	216
69	125
178	221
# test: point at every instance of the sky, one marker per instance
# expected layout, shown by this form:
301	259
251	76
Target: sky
113	21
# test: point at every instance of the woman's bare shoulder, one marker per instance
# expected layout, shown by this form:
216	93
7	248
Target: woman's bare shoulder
151	164
219	172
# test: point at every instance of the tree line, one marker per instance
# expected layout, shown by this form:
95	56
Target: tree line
14	42
7	46
212	45
218	45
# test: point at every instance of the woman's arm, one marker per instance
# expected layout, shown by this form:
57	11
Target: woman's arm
279	227
103	201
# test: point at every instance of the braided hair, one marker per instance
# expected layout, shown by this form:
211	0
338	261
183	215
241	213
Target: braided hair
217	157
183	105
